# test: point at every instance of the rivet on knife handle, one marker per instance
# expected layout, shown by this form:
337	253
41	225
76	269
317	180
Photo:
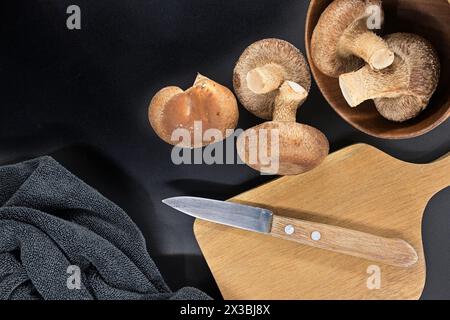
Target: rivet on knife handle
395	252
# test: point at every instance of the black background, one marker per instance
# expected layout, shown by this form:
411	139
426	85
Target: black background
82	97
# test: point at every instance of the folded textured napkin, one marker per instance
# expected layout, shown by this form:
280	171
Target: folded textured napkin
55	228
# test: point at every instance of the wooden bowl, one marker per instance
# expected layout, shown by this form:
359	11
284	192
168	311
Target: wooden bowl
428	18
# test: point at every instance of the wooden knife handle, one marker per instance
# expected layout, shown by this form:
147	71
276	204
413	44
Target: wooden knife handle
394	252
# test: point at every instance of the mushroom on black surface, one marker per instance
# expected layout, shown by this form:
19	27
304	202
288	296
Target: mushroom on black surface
272	80
206	103
262	69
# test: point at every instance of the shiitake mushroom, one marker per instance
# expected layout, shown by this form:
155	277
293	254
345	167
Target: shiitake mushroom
271	80
403	90
206	102
341	41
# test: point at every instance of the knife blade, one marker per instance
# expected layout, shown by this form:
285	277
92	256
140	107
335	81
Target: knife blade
226	213
391	251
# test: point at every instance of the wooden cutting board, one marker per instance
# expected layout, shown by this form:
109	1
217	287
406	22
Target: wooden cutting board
358	187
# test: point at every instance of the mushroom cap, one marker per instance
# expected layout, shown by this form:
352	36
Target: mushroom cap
301	147
423	68
400	109
259	54
206	101
335	19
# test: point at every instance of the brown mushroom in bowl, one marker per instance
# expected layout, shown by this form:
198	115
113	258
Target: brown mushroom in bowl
206	105
342	40
272	80
403	90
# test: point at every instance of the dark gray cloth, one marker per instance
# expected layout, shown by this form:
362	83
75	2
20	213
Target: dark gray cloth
51	220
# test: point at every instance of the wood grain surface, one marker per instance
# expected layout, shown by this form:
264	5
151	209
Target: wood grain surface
391	251
359	188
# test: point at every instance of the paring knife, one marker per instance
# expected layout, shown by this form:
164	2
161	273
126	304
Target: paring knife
394	252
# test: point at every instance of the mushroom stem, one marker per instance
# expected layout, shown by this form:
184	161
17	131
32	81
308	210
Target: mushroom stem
290	96
366	84
265	79
359	41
